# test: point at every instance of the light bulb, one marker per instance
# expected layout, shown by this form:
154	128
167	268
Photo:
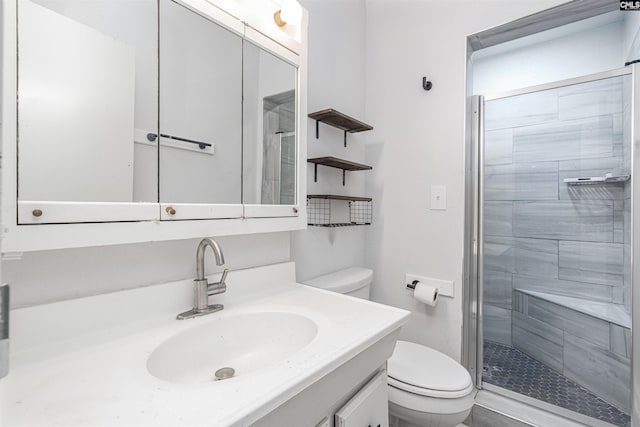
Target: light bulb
290	12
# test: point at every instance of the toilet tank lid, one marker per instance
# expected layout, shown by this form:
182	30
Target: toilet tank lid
426	368
343	281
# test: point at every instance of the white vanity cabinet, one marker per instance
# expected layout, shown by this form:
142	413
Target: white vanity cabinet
353	395
149	120
369	407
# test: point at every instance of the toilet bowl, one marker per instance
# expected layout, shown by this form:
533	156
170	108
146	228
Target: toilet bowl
426	388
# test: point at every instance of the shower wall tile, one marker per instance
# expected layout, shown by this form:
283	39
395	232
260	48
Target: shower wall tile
601	263
620	340
521	256
619	138
498	147
605	98
589	328
521	181
498	218
574	139
568	288
536	327
627	277
603	372
610	84
520	302
498	288
619	148
590	168
618	221
538	339
496	324
627	190
566	220
617	295
627	219
627	253
521	110
627	93
618	123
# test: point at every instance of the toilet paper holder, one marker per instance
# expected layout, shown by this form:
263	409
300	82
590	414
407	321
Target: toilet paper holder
445	287
413	284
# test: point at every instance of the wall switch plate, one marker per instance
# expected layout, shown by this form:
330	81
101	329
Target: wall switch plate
438	197
445	287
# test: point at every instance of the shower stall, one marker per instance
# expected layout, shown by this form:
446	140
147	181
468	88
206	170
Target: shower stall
551	225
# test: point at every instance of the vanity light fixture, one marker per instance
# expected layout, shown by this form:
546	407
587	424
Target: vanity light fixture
290	13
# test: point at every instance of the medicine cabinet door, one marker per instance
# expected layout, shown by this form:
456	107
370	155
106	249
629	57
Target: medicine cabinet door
200	116
87	98
270	143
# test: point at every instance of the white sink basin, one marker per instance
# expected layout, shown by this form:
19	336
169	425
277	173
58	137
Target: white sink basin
244	342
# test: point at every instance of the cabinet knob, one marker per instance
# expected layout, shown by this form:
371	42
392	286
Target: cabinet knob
36	212
295	210
170	210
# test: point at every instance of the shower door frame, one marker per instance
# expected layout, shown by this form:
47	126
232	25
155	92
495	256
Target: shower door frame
473	340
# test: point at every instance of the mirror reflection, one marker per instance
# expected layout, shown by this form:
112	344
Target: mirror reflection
87	97
200	109
147	101
269	122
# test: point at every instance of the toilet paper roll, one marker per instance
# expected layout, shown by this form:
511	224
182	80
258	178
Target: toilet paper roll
425	293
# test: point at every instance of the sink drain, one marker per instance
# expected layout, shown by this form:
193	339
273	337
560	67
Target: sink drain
224	373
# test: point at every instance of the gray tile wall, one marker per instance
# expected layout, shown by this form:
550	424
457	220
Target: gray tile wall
544	235
587	350
496	324
572	238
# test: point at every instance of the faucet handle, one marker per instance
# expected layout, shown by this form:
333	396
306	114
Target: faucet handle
224	276
218	287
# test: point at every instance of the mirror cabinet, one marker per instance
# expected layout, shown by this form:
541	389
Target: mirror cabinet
143	120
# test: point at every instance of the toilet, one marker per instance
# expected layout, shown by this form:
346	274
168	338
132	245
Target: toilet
426	388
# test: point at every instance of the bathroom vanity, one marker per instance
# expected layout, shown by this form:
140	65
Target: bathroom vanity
299	354
155	120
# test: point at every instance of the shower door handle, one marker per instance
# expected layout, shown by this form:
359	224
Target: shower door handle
4	330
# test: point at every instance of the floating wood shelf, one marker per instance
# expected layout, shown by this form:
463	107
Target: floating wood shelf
338	120
334	162
335	197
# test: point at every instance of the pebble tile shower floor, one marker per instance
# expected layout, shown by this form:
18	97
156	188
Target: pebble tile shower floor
513	370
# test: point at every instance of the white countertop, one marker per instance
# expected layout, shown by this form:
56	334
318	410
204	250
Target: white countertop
83	362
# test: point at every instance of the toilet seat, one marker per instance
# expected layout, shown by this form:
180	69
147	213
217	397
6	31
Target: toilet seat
421	370
428	392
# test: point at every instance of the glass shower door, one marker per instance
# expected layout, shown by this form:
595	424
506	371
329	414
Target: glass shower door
555	206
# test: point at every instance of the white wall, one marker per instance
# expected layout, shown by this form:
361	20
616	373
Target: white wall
418	141
47	276
336	80
585	51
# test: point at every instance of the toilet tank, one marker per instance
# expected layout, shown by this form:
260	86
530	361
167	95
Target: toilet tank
354	281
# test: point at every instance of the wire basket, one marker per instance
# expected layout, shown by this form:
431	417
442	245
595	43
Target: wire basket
319	213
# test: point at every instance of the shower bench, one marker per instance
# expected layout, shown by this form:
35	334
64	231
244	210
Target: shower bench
588	342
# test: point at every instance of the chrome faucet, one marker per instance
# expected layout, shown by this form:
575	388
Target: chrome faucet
202	288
